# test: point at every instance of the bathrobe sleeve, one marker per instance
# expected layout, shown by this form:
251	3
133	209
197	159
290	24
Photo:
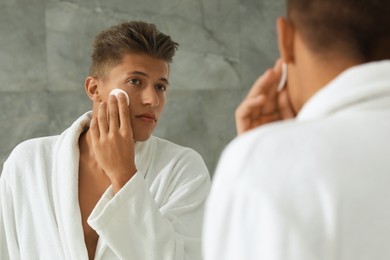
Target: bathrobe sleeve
8	237
134	226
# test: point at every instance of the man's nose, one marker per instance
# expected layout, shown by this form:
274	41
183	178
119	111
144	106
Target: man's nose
150	97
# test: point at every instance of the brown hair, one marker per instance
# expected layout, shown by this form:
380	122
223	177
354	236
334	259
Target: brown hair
358	28
112	44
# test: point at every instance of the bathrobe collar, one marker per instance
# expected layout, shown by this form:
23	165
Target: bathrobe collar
357	85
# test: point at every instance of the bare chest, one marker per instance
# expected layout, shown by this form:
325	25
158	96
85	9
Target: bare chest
92	185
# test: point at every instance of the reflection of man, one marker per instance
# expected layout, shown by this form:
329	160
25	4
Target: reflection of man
105	188
315	187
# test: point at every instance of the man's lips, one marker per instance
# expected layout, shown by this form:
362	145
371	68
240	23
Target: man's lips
147	117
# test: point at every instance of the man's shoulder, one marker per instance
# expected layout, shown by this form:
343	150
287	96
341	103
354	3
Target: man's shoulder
26	155
290	134
173	149
178	155
29	149
271	136
272	146
35	144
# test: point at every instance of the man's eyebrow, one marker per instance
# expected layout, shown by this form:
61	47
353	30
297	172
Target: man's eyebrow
138	73
146	75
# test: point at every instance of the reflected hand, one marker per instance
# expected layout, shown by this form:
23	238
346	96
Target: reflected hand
112	141
264	104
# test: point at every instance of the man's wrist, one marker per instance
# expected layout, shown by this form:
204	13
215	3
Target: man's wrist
121	180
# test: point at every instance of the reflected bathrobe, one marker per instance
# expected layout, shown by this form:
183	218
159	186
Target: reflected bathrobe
312	188
156	215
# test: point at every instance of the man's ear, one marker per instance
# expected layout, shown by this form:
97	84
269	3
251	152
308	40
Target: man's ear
91	87
286	32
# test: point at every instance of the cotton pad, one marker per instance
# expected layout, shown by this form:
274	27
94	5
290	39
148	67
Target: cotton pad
116	92
283	80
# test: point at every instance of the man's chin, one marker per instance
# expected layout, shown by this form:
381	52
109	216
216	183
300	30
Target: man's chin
141	138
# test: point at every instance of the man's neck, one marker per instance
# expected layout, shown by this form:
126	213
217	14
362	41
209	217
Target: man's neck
85	145
319	72
87	156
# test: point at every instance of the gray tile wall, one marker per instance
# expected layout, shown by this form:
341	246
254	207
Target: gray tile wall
44	59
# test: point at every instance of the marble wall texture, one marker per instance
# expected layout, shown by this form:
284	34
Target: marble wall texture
44	59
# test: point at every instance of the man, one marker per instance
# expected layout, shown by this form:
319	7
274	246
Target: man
105	188
313	187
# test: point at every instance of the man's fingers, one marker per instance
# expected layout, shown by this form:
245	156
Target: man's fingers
247	124
113	113
285	108
102	119
272	95
278	65
263	84
94	130
249	109
124	112
264	103
267	118
251	106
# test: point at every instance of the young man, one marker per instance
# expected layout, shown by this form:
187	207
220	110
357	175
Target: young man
313	187
105	188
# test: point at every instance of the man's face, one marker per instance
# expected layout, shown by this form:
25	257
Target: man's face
145	80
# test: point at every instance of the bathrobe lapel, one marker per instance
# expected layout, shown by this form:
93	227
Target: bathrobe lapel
144	153
65	190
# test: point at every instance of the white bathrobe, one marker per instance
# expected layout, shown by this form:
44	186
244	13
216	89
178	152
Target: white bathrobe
156	215
313	188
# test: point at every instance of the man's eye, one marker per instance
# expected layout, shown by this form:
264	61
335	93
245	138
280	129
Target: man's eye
134	81
161	87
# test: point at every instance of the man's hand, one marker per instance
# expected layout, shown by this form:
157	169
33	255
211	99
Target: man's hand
264	104
112	141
